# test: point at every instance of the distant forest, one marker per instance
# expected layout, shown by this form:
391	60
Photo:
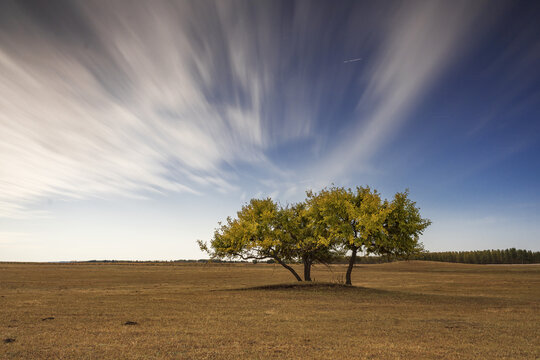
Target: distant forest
508	256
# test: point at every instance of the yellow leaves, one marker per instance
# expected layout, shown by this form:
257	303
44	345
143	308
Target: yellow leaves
326	221
254	229
350	216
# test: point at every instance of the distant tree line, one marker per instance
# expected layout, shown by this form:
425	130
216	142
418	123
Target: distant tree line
508	256
329	224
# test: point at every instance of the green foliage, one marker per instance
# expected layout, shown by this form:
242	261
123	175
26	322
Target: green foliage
326	226
361	220
255	234
403	226
300	228
260	231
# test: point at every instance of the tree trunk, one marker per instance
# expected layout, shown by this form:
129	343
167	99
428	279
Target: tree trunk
352	260
307	269
288	268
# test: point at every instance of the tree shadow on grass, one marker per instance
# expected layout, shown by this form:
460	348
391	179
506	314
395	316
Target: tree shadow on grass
308	286
326	287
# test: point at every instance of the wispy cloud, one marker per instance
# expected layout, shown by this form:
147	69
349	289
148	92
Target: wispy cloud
419	41
116	98
121	99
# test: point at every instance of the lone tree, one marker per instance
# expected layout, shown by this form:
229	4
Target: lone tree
332	222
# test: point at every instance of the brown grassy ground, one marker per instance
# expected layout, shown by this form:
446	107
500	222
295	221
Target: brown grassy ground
406	310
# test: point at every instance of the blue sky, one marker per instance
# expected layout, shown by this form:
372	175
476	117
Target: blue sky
128	130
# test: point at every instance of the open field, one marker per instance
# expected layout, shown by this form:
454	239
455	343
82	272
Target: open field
405	310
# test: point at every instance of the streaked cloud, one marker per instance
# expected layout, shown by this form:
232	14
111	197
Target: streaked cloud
118	100
419	41
122	99
198	106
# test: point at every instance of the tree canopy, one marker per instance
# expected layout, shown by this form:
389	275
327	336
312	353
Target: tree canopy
256	233
330	222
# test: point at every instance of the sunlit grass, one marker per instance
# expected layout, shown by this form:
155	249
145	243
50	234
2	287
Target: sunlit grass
401	310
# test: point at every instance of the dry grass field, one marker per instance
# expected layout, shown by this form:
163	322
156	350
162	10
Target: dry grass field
405	310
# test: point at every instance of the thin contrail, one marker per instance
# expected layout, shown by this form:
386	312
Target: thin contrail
352	60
